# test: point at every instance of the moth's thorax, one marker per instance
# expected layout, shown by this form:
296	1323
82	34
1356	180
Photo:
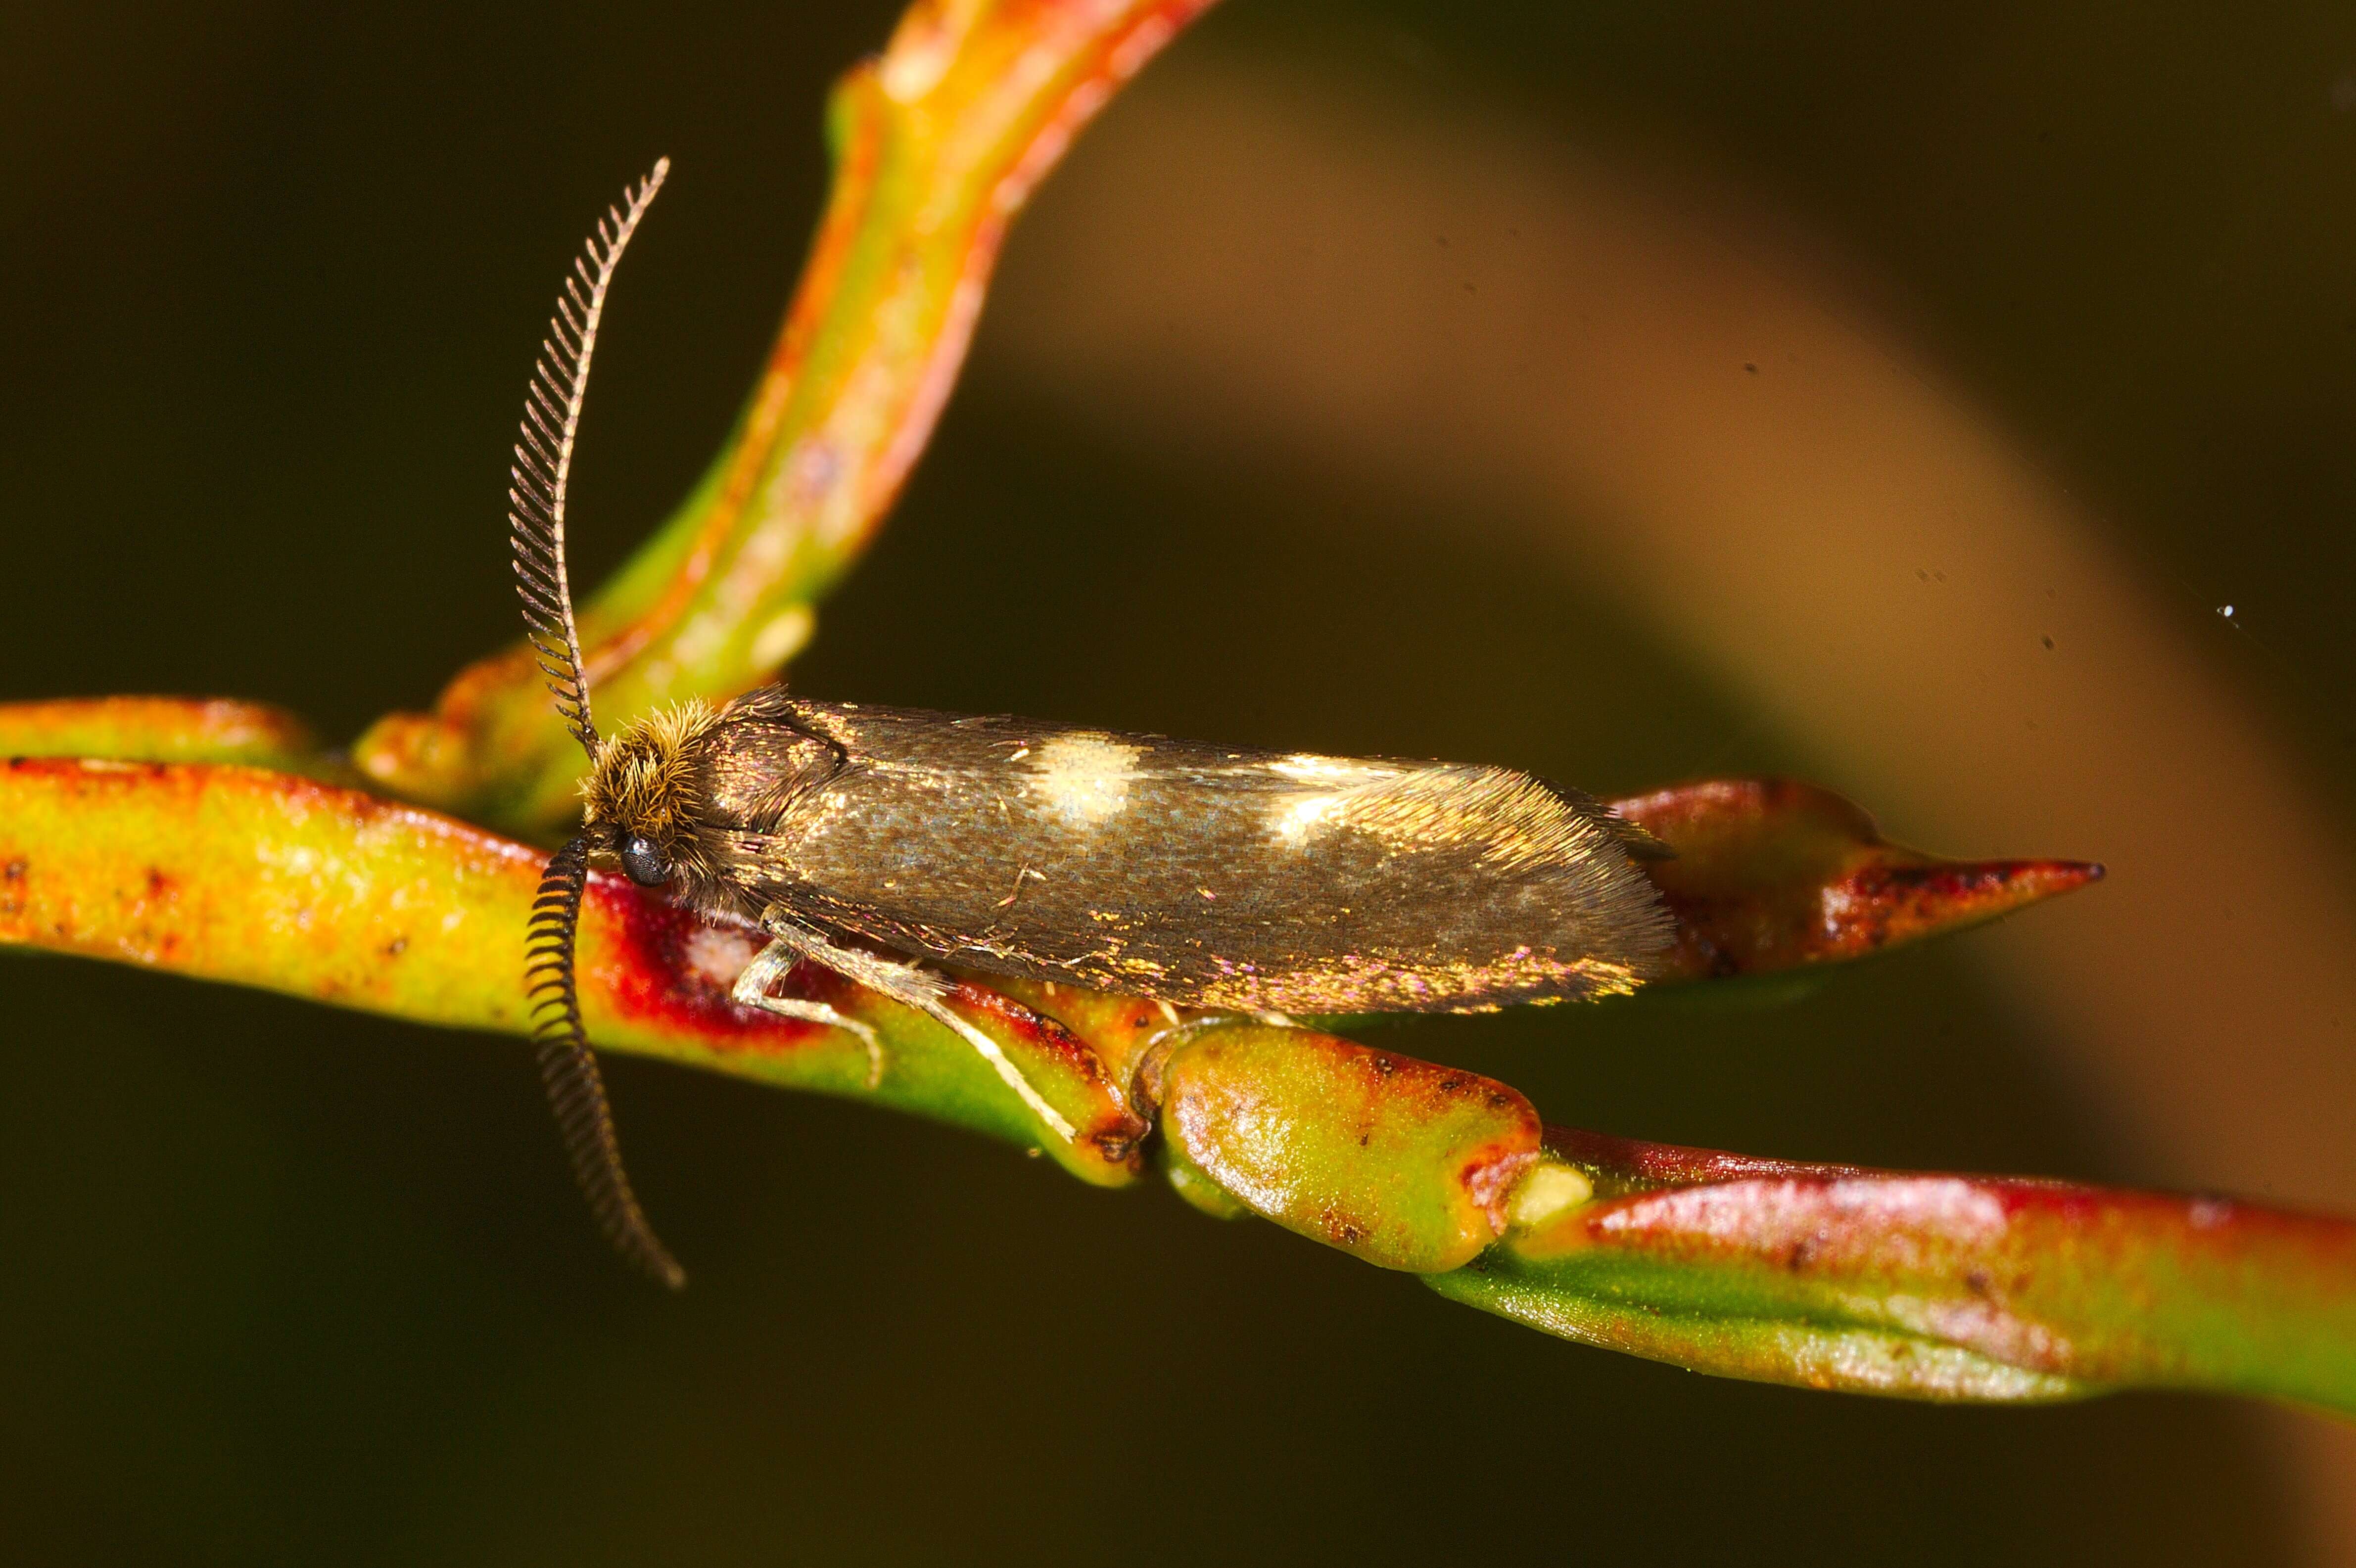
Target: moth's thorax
759	772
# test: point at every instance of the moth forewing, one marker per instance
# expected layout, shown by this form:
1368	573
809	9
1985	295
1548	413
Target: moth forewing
1197	875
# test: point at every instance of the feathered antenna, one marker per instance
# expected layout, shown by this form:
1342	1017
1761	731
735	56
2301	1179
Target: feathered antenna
544	466
576	1091
543	457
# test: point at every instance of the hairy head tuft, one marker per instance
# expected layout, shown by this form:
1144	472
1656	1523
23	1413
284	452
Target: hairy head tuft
648	783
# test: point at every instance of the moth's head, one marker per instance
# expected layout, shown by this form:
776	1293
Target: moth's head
645	797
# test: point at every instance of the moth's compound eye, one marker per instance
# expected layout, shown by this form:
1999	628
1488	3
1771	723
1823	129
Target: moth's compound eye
644	863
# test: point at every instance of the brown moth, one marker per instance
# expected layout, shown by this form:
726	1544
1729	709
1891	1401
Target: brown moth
1200	876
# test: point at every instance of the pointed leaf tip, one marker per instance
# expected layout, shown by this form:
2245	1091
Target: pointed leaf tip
1775	874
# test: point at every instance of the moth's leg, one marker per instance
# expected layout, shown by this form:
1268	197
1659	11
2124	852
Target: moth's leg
752	990
913	987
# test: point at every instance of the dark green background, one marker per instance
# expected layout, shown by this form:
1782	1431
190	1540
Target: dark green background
287	1285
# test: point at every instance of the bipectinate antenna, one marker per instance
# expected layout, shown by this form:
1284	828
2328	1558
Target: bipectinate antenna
543	457
576	1091
544	466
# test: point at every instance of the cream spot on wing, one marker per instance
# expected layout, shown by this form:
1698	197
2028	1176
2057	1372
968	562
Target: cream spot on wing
1309	768
1297	816
1083	776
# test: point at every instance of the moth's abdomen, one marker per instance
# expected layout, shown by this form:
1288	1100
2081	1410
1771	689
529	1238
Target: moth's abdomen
1208	876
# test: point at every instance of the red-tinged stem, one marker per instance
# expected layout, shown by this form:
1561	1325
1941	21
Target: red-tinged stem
1929	1286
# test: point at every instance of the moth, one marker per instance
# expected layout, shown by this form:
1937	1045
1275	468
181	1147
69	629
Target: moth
880	842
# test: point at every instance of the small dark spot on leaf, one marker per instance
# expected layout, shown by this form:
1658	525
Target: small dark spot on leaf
15	871
1976	1282
396	947
1751	368
1363	1137
2049	644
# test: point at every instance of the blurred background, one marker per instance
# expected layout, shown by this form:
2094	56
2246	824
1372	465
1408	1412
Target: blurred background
1893	396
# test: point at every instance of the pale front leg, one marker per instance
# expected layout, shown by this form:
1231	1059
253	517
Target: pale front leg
910	986
752	990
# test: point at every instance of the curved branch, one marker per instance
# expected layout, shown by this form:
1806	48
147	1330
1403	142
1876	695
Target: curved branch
937	143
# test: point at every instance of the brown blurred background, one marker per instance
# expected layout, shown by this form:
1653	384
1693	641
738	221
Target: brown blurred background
1626	395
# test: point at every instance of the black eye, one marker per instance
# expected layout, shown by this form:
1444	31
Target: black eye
645	863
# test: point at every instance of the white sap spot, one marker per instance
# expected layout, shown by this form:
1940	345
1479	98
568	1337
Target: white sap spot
1547	1191
718	955
1083	776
